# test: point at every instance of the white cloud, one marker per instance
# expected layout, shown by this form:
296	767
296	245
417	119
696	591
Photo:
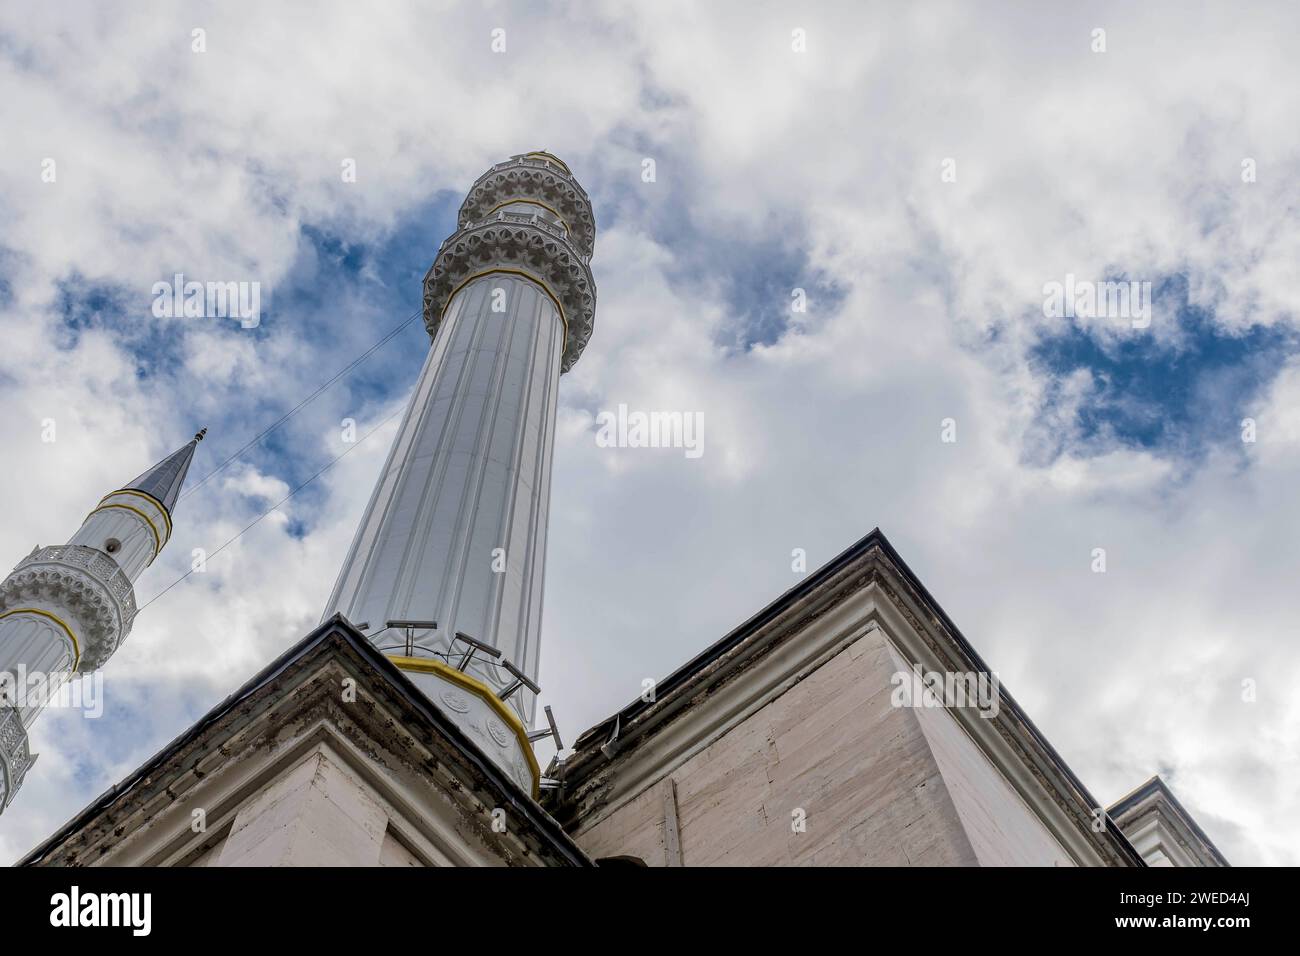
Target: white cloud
1067	161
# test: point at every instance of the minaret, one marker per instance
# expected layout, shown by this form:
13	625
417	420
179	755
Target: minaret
66	608
455	532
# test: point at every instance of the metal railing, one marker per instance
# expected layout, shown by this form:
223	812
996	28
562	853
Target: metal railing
535	162
522	219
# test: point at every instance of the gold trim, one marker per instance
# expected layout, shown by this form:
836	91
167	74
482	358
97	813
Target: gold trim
158	542
542	154
514	272
425	665
167	518
76	646
535	202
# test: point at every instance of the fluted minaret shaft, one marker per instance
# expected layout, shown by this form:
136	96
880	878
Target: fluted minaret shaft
455	532
65	609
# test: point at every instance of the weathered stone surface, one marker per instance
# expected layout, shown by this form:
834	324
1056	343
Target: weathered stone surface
318	814
797	714
328	758
832	746
1001	829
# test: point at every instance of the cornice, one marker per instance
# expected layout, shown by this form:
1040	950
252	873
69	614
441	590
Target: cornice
1155	802
527	244
866	588
403	746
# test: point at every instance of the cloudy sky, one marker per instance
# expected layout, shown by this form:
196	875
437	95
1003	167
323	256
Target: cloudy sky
922	172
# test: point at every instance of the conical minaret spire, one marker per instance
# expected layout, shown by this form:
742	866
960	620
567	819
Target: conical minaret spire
65	609
163	481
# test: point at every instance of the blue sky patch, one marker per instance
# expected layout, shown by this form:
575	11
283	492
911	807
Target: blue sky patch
1176	394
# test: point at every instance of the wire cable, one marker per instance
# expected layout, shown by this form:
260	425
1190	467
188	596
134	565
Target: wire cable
289	414
277	505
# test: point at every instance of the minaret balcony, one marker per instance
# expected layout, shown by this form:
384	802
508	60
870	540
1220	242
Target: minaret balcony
539	179
89	583
524	243
15	754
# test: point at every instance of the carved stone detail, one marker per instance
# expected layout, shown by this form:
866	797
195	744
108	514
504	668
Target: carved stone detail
86	582
529	244
498	731
15	754
527	177
476	717
457	702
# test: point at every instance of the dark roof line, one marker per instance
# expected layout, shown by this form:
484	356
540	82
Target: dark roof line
338	627
1157	783
874	538
736	636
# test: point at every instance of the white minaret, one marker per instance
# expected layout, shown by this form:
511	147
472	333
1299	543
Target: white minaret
65	609
455	533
